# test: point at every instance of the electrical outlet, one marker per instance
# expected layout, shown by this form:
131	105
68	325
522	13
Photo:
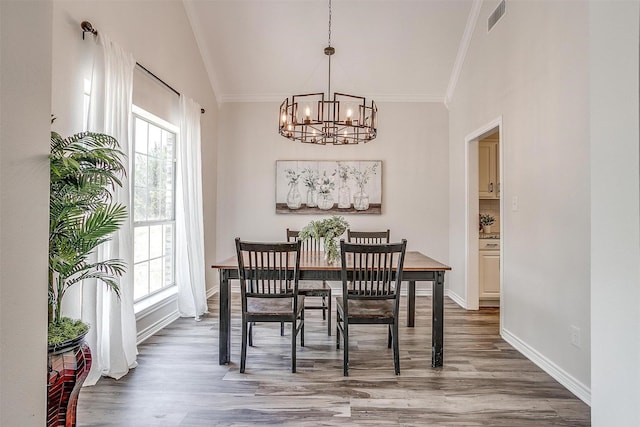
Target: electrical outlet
574	332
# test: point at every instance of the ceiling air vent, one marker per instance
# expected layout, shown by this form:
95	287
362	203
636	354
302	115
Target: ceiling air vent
496	15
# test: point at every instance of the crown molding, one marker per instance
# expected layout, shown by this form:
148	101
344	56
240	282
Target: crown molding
416	97
271	97
258	97
462	50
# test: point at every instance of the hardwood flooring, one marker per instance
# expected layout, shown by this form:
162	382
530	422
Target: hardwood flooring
484	381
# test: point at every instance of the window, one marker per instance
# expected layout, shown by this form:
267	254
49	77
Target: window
153	204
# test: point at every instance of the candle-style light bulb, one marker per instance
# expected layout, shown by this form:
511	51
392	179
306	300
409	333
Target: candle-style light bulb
307	115
345	140
284	119
348	121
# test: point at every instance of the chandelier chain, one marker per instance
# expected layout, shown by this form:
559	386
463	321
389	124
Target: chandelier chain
329	22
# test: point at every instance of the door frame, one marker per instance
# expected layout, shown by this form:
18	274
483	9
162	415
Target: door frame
472	234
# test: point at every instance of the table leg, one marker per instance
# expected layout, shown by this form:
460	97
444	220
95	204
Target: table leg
224	336
411	304
437	321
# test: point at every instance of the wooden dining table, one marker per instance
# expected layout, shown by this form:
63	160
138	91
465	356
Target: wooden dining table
313	266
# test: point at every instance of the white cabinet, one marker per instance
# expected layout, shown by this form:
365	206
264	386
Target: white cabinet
489	269
488	169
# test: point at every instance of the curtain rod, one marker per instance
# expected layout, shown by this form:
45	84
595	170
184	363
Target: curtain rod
88	28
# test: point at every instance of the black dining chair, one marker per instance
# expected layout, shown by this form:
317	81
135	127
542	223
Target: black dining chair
371	280
368	237
269	274
310	288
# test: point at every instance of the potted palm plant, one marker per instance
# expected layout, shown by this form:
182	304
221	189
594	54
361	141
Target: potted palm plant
85	169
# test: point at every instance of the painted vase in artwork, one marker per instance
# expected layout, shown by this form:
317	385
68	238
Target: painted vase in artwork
325	201
312	198
294	199
361	201
344	196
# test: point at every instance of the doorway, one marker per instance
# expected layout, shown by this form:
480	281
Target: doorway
485	146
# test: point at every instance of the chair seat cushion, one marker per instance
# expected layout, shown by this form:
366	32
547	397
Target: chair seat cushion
368	309
276	307
314	288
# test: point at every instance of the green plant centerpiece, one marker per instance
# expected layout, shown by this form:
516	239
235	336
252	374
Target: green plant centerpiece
329	230
85	170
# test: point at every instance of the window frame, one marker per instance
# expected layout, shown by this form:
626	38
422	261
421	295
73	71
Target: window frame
139	113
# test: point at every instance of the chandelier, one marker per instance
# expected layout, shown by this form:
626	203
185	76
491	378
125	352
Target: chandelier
315	118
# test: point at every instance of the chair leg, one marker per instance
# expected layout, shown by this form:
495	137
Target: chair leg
243	353
251	334
396	348
338	320
302	328
389	338
324	307
345	357
294	336
281	329
329	315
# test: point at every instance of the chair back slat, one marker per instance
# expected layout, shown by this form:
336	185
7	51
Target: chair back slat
368	237
372	271
268	269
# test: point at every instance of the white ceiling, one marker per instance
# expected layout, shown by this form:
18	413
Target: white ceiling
265	50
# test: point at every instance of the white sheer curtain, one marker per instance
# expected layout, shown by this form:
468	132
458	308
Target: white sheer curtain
112	337
192	299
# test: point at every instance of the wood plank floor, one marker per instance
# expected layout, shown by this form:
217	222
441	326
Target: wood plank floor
484	381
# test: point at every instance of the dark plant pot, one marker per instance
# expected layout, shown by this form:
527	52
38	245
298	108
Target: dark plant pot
69	365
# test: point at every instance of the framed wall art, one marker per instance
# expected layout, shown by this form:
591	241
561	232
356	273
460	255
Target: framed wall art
335	187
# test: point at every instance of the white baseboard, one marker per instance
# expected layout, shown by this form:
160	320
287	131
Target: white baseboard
160	323
456	298
581	391
212	291
419	292
156	327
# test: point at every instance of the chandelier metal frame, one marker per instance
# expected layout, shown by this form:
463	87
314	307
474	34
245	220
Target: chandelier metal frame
316	118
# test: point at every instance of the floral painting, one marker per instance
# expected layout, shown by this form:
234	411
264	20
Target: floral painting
342	187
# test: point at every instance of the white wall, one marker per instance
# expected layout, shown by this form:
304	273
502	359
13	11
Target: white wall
615	214
412	144
159	36
25	103
532	69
